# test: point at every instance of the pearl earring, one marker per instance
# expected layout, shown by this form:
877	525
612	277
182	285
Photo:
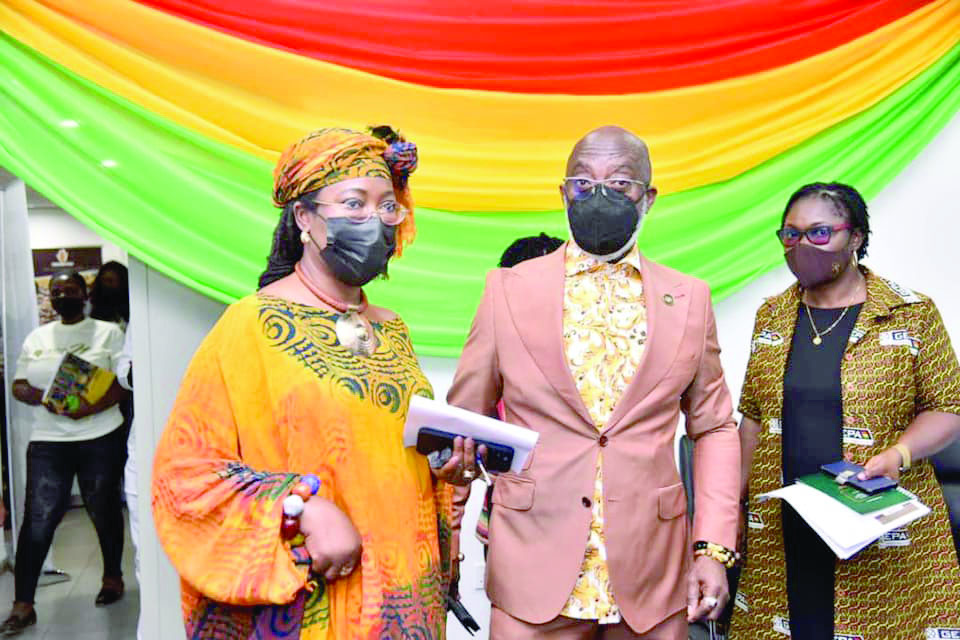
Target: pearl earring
305	237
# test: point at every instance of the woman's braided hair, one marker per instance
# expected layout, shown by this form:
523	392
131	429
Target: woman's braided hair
846	200
287	249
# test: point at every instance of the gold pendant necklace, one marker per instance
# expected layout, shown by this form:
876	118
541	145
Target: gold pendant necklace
817	339
817	334
353	329
355	332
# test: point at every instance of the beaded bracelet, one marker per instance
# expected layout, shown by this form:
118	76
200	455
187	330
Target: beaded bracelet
726	557
294	503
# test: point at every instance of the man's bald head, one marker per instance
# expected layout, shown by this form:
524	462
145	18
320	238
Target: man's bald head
611	148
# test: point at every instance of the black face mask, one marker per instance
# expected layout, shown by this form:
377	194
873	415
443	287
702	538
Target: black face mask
67	307
358	253
603	222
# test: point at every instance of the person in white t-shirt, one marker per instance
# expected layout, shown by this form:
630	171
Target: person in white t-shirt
86	442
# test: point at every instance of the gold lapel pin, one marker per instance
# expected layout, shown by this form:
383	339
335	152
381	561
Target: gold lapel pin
668	298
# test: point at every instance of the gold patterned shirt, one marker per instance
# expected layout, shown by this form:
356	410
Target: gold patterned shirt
604	333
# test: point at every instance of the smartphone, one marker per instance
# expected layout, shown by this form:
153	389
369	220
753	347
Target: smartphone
871	486
430	440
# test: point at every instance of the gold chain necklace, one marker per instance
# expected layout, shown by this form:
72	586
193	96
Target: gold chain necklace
817	334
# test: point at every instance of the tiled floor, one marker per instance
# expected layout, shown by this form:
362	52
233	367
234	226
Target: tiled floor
66	610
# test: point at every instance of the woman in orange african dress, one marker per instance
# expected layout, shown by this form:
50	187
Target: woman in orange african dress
282	491
845	364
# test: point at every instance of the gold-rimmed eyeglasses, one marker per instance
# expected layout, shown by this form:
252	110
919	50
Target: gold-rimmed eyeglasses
391	212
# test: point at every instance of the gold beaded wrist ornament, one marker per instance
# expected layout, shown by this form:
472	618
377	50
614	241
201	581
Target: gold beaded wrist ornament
726	557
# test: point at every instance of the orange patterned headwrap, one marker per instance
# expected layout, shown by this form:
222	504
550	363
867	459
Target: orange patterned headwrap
331	155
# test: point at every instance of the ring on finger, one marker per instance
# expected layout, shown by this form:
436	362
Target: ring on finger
710	602
346	570
468	474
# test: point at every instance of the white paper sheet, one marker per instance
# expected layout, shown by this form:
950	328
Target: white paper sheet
439	415
844	530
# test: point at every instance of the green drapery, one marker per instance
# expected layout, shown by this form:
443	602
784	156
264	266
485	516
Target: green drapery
200	211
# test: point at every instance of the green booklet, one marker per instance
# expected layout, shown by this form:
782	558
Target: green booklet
852	497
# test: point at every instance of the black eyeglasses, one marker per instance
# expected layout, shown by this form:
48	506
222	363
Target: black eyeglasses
582	186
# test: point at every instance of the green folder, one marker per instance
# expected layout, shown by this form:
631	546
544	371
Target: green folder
852	497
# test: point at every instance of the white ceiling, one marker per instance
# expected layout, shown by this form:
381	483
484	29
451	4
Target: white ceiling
34	199
5	177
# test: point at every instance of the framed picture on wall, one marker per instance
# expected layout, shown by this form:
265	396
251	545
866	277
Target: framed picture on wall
46	262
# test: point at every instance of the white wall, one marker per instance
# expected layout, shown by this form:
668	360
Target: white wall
168	322
913	243
18	317
51	228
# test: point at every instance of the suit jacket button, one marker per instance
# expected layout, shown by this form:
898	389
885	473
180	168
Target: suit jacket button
602	441
586	502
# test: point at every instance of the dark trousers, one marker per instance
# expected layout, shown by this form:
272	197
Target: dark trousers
51	467
810	578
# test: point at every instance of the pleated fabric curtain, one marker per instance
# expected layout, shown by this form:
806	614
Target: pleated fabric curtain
157	122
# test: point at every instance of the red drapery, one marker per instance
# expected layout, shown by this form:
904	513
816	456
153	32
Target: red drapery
528	46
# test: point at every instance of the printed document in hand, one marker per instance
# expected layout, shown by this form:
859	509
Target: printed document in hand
439	415
844	530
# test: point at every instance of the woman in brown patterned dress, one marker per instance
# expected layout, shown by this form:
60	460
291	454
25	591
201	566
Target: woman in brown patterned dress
845	364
